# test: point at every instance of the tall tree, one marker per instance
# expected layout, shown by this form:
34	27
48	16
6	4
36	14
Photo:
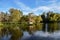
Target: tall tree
15	15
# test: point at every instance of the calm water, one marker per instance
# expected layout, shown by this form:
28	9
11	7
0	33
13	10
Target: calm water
39	35
51	32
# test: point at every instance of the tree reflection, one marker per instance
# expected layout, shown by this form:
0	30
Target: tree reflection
53	27
16	34
34	28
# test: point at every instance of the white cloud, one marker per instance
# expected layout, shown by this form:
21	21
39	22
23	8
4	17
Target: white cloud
38	2
44	8
54	6
23	6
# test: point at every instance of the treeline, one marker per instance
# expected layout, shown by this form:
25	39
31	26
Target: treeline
50	17
16	18
15	15
14	22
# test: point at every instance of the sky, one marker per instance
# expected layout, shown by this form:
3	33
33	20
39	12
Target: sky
27	6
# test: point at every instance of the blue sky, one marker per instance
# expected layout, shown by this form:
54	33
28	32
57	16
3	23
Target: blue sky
35	6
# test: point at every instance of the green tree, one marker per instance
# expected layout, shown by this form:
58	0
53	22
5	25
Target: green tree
51	16
15	15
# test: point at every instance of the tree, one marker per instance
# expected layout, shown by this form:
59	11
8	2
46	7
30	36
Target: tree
2	17
38	19
24	22
15	15
43	17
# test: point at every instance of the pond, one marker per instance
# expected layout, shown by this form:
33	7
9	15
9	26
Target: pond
39	35
50	31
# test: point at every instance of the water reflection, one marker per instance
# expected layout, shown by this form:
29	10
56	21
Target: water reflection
40	35
41	31
53	27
